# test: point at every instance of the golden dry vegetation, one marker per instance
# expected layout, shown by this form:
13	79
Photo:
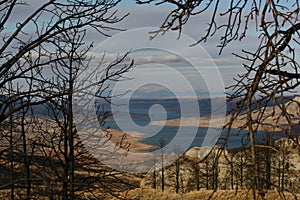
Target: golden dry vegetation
151	194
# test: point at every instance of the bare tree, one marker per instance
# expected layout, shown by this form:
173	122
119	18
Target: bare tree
40	55
161	145
197	180
28	145
21	144
177	151
154	174
241	162
28	46
271	69
73	63
11	153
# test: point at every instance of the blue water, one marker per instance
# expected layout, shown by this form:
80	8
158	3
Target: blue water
195	138
138	120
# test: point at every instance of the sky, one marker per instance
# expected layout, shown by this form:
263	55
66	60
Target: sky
202	57
198	68
190	71
228	65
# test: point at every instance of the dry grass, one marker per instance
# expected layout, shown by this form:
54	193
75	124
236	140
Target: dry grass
151	194
133	139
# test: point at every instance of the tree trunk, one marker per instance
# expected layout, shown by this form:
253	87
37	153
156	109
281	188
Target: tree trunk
197	176
207	175
231	173
162	173
241	172
66	167
268	165
71	130
282	174
177	175
26	160
154	179
12	185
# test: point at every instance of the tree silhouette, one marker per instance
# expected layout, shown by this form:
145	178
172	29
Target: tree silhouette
28	46
271	70
41	57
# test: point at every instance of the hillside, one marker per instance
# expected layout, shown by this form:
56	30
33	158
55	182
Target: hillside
151	194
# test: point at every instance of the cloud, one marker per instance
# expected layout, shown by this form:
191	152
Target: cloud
153	17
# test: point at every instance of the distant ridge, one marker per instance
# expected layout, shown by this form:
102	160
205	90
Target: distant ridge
272	120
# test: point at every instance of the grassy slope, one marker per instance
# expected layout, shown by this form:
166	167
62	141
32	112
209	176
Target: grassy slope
151	194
